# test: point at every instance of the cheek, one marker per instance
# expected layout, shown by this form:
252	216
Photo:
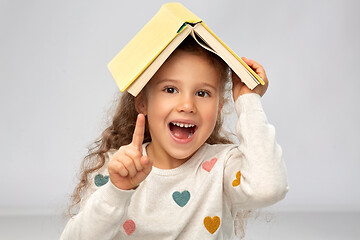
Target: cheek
157	109
210	114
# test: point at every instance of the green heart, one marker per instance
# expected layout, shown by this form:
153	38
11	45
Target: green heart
101	180
181	199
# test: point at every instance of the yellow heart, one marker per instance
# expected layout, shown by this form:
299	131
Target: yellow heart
236	182
212	224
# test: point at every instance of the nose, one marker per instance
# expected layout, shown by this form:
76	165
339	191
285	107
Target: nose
187	104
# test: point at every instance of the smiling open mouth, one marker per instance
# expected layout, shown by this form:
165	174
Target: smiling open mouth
182	130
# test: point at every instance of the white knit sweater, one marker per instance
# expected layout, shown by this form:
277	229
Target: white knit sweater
199	199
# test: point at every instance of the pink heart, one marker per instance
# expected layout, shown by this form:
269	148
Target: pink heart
208	165
129	227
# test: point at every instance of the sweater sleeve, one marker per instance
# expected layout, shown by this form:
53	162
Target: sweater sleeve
100	214
255	174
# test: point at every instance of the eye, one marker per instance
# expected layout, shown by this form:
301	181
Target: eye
170	90
203	93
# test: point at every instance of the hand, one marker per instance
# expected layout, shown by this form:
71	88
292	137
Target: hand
128	167
239	88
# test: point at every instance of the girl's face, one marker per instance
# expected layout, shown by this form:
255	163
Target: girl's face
182	105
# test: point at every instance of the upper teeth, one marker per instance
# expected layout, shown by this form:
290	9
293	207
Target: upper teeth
183	124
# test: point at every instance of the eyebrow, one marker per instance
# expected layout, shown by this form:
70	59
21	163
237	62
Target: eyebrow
177	81
209	85
166	80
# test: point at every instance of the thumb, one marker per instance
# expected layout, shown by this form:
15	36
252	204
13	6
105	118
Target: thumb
147	164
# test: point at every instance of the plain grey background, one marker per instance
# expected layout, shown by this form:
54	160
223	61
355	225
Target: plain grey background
56	91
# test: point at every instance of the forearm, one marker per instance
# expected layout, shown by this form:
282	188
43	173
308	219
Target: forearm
263	178
100	217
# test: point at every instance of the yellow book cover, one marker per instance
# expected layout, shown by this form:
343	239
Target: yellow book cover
147	44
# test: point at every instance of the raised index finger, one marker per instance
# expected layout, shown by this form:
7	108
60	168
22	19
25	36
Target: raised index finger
138	136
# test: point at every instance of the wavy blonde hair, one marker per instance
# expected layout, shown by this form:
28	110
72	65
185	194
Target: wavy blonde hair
122	126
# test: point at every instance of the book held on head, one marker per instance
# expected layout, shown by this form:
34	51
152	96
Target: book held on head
139	60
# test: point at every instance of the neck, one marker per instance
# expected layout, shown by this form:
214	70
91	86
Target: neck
161	159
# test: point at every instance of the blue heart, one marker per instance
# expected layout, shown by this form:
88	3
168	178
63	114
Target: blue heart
181	198
101	180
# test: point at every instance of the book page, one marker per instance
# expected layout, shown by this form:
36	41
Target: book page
201	41
235	64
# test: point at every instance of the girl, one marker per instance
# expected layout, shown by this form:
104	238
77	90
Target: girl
163	170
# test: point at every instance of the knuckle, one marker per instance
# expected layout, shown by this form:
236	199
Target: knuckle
133	174
127	162
123	149
119	153
111	165
137	154
113	157
139	167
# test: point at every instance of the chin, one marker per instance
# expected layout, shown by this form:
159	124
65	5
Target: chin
184	154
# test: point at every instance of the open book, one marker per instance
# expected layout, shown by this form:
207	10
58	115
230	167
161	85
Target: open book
139	60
